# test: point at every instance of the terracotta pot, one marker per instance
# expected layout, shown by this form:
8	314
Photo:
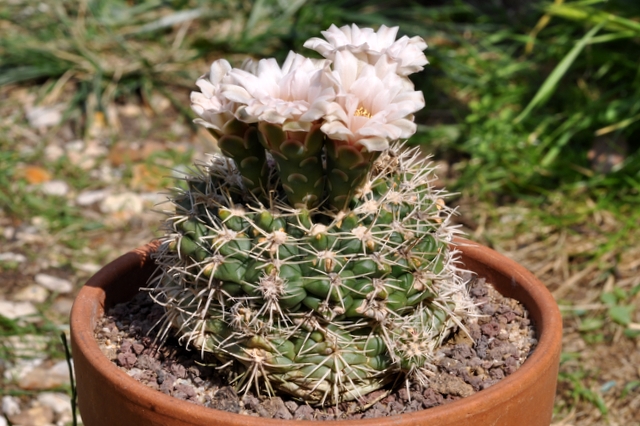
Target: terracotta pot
108	396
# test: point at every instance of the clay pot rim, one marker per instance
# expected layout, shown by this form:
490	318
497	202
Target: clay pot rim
549	327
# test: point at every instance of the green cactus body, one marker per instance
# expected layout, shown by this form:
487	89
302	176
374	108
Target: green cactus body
299	162
347	168
241	142
324	305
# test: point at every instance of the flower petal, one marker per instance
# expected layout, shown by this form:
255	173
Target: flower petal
218	70
374	144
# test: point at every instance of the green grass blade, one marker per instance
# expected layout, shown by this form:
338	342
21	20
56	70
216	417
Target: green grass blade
548	87
593	16
617	126
606	38
178	17
259	11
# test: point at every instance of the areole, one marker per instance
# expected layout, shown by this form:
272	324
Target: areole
108	396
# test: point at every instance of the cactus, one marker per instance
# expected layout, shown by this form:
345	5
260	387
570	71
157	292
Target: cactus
317	263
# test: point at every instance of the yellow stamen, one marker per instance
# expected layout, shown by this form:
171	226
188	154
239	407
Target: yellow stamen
362	112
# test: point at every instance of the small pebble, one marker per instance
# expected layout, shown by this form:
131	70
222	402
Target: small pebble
45	116
87	198
45	377
57	188
13	310
50	282
59	402
27	345
36	415
90	268
32	293
10	405
304	412
62	306
12	257
53	152
85	155
122	202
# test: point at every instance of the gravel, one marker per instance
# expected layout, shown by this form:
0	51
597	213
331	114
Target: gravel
499	341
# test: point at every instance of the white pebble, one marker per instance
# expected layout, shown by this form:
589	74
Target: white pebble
154	198
12	257
134	372
10	405
86	198
21	368
45	116
123	202
45	378
106	174
76	145
9	233
31	293
62	306
53	152
38	223
85	155
57	188
52	283
13	310
61	368
92	268
59	402
27	345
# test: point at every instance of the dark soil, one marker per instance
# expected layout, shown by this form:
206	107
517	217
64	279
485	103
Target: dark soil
503	337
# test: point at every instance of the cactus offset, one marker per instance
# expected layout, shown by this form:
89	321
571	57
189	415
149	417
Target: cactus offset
319	264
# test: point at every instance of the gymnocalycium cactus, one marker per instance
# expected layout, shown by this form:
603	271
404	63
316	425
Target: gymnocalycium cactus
311	256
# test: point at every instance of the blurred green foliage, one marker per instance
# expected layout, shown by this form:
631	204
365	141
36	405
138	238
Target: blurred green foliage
518	93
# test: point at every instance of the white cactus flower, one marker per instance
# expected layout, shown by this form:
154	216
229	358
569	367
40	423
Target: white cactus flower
407	53
369	110
213	108
294	95
351	38
369	46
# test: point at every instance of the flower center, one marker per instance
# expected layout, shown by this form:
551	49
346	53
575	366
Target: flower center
362	112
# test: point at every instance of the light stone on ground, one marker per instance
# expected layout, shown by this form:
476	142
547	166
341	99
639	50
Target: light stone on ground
91	268
44	116
44	376
50	282
57	188
53	152
128	202
8	233
25	234
59	402
37	415
106	175
85	154
154	198
27	345
10	405
12	257
87	198
46	409
32	293
20	367
62	306
13	310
